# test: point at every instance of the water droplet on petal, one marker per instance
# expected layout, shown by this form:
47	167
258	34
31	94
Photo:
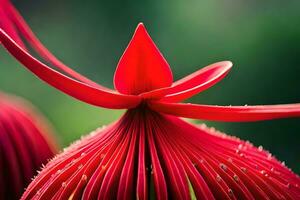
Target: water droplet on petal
84	177
236	178
229	160
283	163
63	184
222	166
218	178
244	169
260	148
80	166
83	154
269	156
230	192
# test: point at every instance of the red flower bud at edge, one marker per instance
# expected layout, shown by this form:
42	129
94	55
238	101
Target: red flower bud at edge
25	144
150	149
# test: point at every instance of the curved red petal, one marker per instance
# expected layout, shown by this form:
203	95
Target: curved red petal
15	19
192	84
76	89
228	113
142	67
6	24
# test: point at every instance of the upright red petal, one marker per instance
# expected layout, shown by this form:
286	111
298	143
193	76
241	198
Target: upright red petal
142	67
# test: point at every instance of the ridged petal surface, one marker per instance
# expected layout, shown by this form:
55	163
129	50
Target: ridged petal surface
146	153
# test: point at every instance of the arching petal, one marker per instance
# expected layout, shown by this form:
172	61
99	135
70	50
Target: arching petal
228	113
76	89
17	21
192	84
6	24
142	67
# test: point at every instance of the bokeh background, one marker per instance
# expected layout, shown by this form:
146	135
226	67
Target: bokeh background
262	38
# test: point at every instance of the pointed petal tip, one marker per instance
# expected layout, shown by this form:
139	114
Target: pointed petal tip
140	30
226	63
140	25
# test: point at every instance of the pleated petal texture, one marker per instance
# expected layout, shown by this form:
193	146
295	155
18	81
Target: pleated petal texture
25	144
146	154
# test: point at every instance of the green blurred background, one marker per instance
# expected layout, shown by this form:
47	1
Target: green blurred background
262	38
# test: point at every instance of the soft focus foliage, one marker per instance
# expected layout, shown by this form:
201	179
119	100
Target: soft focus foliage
261	38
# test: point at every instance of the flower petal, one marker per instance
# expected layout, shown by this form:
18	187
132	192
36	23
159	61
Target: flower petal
17	21
7	25
228	113
192	84
142	67
76	89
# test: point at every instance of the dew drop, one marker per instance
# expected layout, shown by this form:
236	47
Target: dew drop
63	184
38	193
84	177
260	148
288	185
236	178
230	192
244	169
229	160
218	178
80	166
263	172
58	171
269	156
283	163
240	146
222	166
82	154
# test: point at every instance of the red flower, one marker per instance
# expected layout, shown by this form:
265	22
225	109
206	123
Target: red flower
24	146
150	150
